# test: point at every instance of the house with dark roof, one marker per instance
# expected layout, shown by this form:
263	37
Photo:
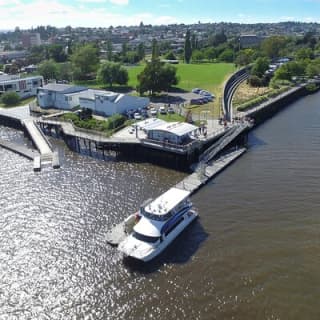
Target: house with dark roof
59	96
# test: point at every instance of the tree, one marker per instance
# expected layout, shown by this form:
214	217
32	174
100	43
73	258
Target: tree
155	50
10	98
273	46
49	69
157	77
124	49
304	53
227	55
313	68
85	61
64	71
111	72
291	69
194	42
197	55
187	48
57	53
109	50
260	67
210	53
141	51
245	57
219	38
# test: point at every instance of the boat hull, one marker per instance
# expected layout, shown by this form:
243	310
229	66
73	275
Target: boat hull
159	248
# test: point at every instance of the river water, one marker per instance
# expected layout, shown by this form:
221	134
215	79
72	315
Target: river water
253	254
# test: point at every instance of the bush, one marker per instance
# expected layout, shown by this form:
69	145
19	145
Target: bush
10	98
255	81
312	87
112	123
252	103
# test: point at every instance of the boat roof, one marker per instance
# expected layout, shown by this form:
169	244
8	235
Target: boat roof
167	201
149	227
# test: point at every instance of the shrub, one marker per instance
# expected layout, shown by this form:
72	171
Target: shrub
10	98
312	87
252	103
255	81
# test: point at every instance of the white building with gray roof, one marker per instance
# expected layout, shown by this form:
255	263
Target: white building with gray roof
59	96
101	102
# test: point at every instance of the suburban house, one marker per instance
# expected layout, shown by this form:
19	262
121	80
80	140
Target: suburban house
24	87
59	96
174	132
106	103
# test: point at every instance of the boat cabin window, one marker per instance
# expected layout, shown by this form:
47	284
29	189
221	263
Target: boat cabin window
157	217
144	238
173	226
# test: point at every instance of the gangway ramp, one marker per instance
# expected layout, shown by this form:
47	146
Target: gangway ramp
41	142
213	150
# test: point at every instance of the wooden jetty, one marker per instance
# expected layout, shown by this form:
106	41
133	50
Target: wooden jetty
19	149
206	172
21	115
192	183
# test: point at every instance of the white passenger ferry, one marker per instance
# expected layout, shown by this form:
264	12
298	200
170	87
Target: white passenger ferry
157	224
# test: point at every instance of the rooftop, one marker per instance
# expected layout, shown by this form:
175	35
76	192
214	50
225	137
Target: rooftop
167	201
63	88
177	128
150	123
91	94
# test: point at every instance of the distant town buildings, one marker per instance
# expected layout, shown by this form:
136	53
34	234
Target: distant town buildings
7	56
30	40
249	40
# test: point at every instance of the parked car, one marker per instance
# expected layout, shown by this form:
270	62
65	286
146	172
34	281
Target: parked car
204	93
153	112
195	90
170	110
162	110
137	116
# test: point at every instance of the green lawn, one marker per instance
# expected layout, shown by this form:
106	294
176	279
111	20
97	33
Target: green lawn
207	76
171	117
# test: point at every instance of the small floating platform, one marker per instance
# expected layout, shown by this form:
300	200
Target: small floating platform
37	164
55	160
